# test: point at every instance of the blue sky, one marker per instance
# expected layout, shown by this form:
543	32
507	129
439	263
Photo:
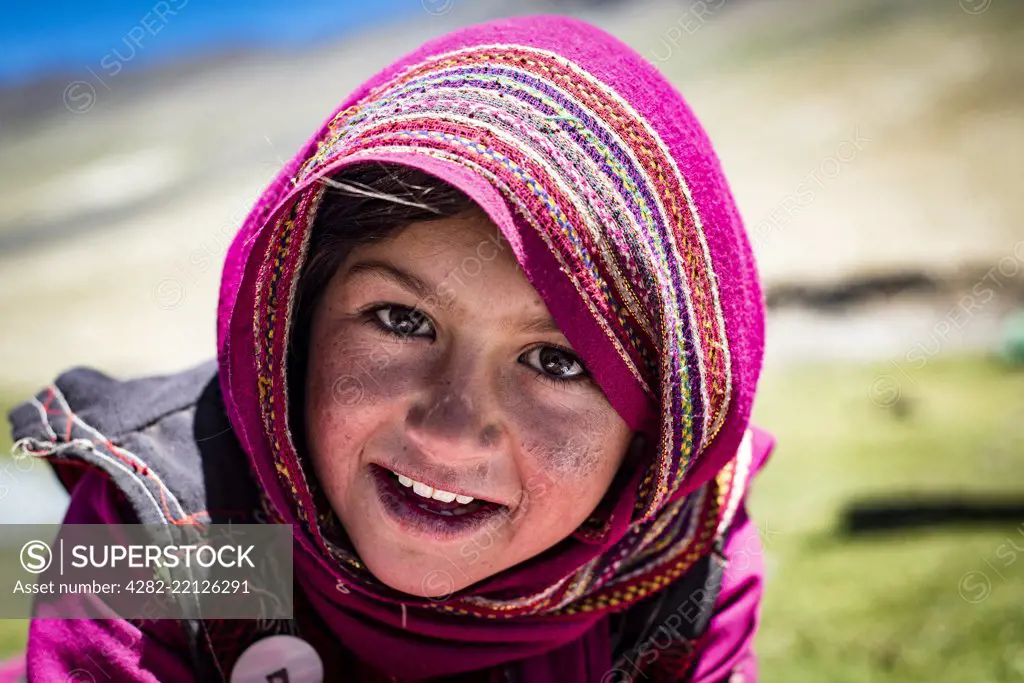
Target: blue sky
64	37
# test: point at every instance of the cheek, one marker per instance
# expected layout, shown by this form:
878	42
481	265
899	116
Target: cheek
570	455
354	383
580	439
350	373
564	450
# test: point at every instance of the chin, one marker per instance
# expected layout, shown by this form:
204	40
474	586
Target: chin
418	574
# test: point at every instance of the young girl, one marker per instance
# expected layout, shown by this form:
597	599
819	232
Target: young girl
489	342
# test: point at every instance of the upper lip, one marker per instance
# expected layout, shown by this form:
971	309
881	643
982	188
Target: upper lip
433	483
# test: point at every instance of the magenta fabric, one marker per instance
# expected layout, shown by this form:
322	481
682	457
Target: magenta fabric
79	650
400	635
368	619
640	84
59	650
728	647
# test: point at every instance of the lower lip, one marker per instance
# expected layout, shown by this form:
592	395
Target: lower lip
401	506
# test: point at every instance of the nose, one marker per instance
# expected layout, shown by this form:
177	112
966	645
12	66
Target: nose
456	420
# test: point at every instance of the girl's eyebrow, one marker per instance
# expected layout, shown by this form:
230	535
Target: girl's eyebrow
393	273
539	325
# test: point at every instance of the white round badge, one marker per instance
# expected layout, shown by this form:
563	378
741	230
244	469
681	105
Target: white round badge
279	659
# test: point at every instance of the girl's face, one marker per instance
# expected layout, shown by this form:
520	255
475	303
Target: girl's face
436	375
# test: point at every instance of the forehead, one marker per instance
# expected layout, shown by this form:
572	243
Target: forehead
460	263
470	244
465	230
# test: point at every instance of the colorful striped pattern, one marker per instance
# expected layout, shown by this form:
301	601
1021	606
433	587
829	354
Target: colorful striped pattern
598	185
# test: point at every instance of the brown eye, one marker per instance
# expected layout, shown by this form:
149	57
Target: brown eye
404	322
554	363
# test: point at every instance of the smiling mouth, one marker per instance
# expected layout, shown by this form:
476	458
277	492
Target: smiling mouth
424	510
452	503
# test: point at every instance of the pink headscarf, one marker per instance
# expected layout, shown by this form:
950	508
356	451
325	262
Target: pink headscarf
613	201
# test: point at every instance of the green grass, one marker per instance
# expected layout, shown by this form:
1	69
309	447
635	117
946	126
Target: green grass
889	608
886	608
13	632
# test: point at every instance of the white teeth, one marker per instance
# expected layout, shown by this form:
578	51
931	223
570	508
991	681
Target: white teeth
443	496
421	489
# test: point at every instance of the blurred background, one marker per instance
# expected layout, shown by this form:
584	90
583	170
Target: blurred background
876	150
